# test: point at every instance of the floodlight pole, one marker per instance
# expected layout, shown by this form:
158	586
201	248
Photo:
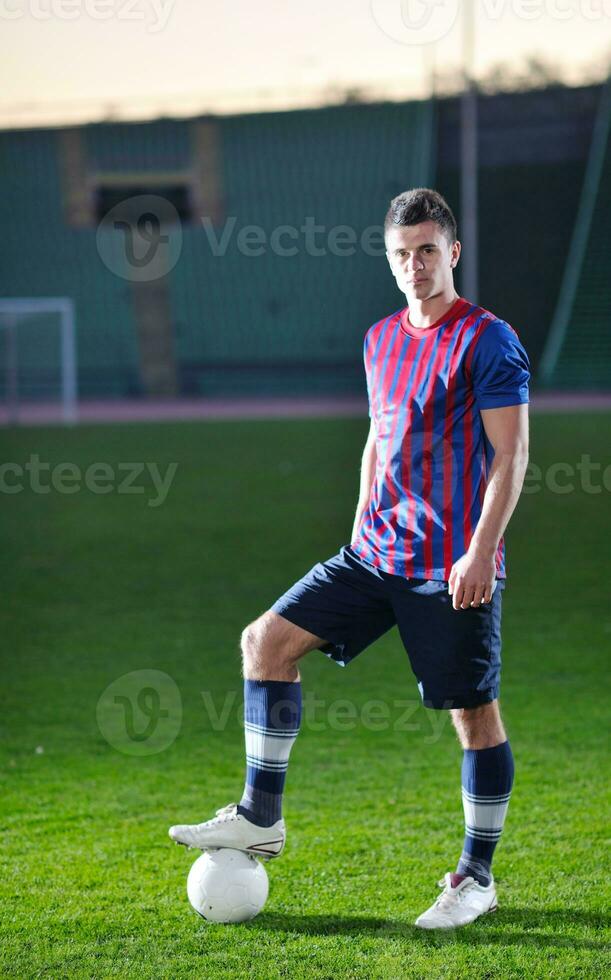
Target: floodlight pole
427	154
468	160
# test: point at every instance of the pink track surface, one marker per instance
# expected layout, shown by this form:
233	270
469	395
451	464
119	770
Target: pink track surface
144	410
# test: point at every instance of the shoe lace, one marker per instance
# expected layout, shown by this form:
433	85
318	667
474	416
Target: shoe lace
451	897
226	813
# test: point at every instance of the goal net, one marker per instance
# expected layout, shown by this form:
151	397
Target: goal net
37	360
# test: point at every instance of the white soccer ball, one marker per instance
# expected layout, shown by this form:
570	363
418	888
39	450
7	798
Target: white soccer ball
227	886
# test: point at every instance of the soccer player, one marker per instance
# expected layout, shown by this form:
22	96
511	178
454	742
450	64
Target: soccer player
441	473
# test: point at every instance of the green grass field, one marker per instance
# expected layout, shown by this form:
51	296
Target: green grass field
95	586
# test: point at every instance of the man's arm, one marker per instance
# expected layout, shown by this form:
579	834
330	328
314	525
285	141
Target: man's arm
472	576
368	469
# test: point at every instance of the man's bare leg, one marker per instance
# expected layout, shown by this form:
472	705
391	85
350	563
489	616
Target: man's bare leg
487	779
479	728
271	647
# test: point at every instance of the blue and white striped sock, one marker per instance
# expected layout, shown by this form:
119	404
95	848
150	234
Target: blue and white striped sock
272	713
487	778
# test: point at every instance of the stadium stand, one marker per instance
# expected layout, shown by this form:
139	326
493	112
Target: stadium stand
271	323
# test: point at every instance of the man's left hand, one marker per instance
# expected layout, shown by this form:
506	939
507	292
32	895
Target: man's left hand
471	581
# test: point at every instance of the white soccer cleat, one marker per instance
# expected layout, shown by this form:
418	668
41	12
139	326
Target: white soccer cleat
458	906
231	829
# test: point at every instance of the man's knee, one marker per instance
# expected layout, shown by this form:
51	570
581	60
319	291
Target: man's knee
480	727
271	643
254	645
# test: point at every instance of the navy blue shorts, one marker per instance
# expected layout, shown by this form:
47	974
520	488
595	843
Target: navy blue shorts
455	654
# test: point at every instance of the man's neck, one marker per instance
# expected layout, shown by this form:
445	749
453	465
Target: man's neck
423	313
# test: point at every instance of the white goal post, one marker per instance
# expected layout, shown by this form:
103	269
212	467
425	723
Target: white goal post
11	311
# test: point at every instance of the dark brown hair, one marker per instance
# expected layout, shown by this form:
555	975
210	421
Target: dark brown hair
421	204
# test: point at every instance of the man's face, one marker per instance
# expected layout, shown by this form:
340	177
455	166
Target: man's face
422	259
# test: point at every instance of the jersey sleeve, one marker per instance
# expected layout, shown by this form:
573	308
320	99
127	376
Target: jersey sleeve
500	370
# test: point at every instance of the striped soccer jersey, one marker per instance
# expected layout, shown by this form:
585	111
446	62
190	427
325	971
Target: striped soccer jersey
426	388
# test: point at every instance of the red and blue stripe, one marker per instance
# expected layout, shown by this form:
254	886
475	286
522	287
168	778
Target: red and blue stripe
432	453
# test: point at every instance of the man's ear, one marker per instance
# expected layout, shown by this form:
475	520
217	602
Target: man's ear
455	252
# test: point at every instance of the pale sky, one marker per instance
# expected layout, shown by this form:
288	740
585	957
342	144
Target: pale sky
79	60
